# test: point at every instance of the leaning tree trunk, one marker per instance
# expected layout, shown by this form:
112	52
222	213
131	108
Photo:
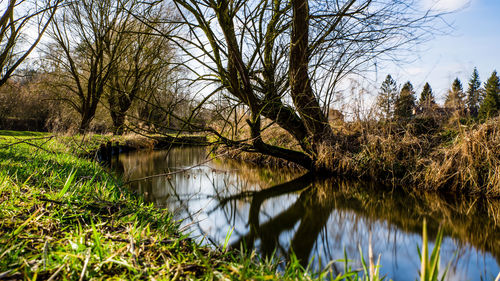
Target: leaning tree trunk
118	111
118	122
302	94
85	122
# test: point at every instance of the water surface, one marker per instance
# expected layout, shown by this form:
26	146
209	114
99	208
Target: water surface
280	211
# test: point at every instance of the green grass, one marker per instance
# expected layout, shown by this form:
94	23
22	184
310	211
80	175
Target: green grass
22	133
66	217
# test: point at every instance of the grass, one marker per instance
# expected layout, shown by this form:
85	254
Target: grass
9	133
429	266
63	217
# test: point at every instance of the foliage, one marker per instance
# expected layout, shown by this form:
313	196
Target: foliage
386	98
405	102
426	101
491	103
473	94
455	97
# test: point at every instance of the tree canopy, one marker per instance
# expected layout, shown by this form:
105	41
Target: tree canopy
283	60
426	101
455	96
473	93
491	103
386	98
405	102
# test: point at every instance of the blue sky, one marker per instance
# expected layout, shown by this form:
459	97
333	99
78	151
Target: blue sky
474	41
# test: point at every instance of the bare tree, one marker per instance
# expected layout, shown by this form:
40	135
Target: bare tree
87	38
19	18
144	58
284	59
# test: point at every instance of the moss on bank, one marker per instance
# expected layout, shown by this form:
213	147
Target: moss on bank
65	218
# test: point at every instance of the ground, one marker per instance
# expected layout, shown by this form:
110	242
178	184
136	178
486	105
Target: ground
64	217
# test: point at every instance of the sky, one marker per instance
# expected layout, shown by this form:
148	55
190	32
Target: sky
474	41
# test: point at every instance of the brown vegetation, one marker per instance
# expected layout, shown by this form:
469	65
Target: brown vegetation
445	157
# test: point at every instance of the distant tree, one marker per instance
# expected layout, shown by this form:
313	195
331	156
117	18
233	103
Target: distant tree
455	98
87	36
141	58
426	101
473	94
387	97
405	102
491	103
18	17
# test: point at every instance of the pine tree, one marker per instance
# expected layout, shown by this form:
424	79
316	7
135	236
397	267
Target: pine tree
426	102
387	97
455	97
473	94
405	102
491	103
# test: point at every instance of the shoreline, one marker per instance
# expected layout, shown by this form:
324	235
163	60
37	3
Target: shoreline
456	159
65	217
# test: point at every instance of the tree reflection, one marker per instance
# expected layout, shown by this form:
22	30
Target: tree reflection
472	220
310	216
308	210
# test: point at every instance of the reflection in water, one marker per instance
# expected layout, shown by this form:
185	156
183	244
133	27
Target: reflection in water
279	211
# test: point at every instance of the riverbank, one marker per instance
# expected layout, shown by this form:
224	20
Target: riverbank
65	217
422	154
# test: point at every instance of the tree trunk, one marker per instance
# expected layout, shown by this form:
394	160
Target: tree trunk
118	122
302	94
85	123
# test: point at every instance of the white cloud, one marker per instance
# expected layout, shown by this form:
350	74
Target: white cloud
446	5
412	71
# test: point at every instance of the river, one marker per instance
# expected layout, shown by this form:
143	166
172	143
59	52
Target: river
283	210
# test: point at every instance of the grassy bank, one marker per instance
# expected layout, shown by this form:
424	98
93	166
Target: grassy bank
64	217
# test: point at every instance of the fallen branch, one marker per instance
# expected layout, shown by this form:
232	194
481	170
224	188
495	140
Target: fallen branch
32	144
149	242
174	172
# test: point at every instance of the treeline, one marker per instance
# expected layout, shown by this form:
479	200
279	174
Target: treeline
476	103
101	68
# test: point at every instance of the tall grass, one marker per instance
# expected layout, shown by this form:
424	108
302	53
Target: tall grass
429	266
426	154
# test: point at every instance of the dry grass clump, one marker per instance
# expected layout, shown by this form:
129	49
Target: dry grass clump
370	152
471	163
424	153
468	162
466	159
139	141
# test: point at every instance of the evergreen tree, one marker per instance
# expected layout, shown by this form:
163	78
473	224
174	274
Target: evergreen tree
473	93
387	97
491	103
455	97
405	102
426	101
